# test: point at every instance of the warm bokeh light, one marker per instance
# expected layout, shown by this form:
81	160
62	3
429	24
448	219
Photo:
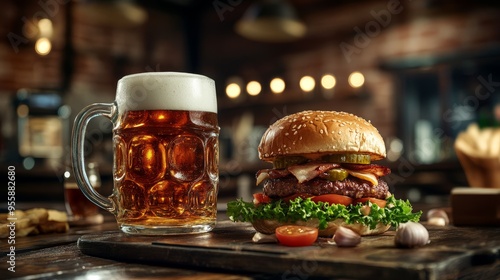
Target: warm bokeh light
43	46
277	85
45	28
254	88
328	81
233	90
307	83
356	79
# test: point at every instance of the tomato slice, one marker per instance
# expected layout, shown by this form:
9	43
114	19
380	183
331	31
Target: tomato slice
380	202
296	236
333	199
260	198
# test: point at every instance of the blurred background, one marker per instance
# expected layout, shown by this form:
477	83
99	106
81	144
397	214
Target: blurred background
420	71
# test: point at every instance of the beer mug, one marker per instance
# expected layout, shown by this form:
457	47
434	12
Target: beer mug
165	166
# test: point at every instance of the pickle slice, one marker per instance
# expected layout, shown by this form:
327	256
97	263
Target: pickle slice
337	174
284	162
347	158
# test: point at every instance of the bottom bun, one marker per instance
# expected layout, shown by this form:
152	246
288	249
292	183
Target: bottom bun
269	227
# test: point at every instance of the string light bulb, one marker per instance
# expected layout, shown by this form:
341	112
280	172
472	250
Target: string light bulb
233	90
277	85
328	81
356	79
307	83
43	46
254	88
45	28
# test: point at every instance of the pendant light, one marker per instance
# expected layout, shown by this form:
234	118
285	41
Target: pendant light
271	21
116	13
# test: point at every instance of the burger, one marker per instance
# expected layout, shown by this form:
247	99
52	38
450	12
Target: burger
323	176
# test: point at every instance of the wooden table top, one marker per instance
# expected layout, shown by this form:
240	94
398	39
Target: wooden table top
58	256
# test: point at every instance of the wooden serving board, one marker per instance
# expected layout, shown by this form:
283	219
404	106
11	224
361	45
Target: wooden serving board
229	247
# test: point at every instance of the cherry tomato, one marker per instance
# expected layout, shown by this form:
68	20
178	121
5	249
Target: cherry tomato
380	202
333	199
260	198
296	236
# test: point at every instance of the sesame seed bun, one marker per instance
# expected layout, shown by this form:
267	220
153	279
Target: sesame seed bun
316	133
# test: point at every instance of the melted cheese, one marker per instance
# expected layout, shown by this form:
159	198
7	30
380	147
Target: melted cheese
365	176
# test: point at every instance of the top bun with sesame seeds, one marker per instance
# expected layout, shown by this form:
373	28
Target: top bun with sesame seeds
316	133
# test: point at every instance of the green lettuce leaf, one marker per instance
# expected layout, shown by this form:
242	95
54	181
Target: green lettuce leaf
396	211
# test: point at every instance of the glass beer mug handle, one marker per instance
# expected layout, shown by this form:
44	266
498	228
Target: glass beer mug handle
108	110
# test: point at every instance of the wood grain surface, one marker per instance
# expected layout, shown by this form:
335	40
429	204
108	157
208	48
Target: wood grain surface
451	252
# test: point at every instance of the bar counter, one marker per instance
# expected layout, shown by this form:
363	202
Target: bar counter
59	256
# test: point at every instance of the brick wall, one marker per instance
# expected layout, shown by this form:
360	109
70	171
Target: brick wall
102	53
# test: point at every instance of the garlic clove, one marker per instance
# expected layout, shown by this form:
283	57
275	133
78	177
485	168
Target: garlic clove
438	217
264	238
410	235
345	237
437	221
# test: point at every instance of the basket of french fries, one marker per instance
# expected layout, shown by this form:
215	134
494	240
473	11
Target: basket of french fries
478	151
33	221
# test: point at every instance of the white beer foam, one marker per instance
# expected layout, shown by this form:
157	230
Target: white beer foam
166	90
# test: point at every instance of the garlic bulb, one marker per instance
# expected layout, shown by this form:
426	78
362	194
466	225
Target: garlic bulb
411	235
345	237
437	217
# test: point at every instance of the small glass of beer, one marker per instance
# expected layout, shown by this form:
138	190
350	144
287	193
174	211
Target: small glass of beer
165	135
80	210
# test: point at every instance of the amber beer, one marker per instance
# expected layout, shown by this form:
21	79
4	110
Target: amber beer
77	205
165	165
165	170
80	210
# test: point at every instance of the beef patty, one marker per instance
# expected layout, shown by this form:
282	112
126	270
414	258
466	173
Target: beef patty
351	186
